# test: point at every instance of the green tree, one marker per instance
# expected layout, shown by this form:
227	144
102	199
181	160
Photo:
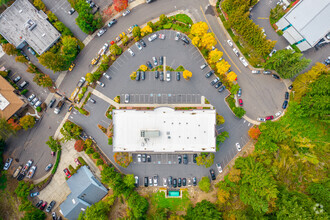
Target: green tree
136	32
23	189
90	78
202	211
239	112
221	138
220	119
138	205
115	49
104	63
6	129
63	29
27	122
205	159
53	144
98	210
320	193
129	181
69	48
205	184
9	49
39	5
4	74
43	80
34	214
70	131
21	59
51	16
54	61
163	19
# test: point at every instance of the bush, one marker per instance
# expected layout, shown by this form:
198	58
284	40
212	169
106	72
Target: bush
110	141
88	143
180	68
99	162
79	145
71	169
167	26
38	109
57	161
89	150
96	155
204	184
82	161
183	18
24	92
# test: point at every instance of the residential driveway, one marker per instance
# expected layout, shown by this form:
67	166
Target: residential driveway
58	189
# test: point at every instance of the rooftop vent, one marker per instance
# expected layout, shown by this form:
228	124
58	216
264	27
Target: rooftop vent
20	11
43	35
30	24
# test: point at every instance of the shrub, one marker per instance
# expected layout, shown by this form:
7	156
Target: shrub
117	99
99	162
96	155
57	161
88	143
89	150
71	168
38	109
180	68
24	92
110	141
204	184
167	26
82	161
79	145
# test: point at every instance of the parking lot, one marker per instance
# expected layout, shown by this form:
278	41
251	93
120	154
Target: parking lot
163	98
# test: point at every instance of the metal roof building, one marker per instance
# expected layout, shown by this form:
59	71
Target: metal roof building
306	23
164	130
22	24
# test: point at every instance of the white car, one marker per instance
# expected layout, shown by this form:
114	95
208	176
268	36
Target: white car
219	167
177	36
131	52
230	43
138	45
139	158
261	119
155	61
152	37
164	182
8	163
236	52
126	12
126	98
31	172
101	32
243	61
273	51
162	36
155	180
106	76
238	147
203	66
100	83
168	76
277	114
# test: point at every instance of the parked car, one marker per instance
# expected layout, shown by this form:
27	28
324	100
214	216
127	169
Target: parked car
126	12
19	168
48	167
152	37
155	180
161	60
269	117
184	39
101	32
168	76
239	93
52	102
138	45
31	51
285	104
34	194
67	172
179	182
238	147
174	182
138	74
81	82
24	54
77	161
275	76
106	76
169	181
92	100
213	82
179	159
161	36
277	114
155	61
100	83
273	51
177	76
217	85
261	119
286	96
8	163
242	59
290	87
136	183
38	103
31	97
131	52
209	74
23	85
34	101
236	52
54	215
112	22
256	71
148	158
146	181
194	181
18	78
149	65
144	157
143	43
143	75
126	98
150	181
31	172
194	158
222	88
218	165
203	66
38	204
213	177
266	72
139	158
161	76
71	67
230	43
50	207
177	36
184	181
185	159
240	101
156	74
43	205
164	181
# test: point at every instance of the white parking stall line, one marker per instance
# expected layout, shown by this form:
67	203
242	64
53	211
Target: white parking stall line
116	65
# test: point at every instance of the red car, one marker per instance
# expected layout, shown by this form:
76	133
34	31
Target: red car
269	118
44	204
52	153
77	161
240	102
67	172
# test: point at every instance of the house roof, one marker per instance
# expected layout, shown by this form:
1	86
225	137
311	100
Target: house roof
23	22
9	101
85	191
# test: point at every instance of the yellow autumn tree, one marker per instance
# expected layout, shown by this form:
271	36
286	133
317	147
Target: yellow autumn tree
133	76
146	30
196	41
222	67
223	196
89	77
214	56
143	68
187	74
231	76
208	41
199	28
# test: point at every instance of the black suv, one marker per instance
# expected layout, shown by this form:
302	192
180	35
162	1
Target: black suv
179	159
179	182
51	103
161	60
137	78
156	74
178	76
286	95
185	159
184	39
174	182
143	75
146	181
143	43
209	74
161	76
212	174
184	182
39	203
275	76
51	205
194	181
194	158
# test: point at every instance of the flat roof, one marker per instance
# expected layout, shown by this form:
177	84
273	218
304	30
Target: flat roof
172	130
311	19
23	22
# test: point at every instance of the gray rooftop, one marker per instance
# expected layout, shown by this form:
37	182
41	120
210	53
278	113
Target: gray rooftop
85	191
23	22
311	19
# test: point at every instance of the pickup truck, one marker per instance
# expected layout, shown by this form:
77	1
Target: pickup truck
59	106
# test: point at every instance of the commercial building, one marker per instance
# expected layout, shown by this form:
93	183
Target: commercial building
164	129
85	191
10	103
22	24
306	24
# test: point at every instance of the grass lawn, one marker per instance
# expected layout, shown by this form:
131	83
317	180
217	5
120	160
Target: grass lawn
173	204
183	18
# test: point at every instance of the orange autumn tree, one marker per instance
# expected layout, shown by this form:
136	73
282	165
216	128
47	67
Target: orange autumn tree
14	125
120	5
254	132
123	158
79	145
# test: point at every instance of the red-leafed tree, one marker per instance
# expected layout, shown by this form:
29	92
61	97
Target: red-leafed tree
15	126
254	132
120	5
79	145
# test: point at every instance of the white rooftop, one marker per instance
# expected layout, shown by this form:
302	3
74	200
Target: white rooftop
311	19
164	130
3	102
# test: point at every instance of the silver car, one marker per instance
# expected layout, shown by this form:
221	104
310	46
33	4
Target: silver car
126	98
219	167
138	45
